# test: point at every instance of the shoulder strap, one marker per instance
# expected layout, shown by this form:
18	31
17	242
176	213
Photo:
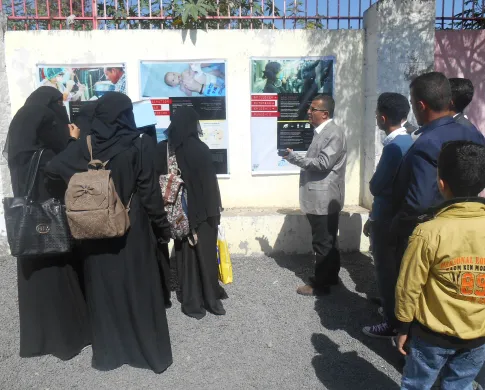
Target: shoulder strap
33	170
90	147
173	158
94	162
168	158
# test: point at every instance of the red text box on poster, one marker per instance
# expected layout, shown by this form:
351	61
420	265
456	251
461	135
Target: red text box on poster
264	108
264	97
275	114
162	113
263	103
161	101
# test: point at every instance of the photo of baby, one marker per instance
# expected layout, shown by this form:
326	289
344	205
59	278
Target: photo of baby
176	79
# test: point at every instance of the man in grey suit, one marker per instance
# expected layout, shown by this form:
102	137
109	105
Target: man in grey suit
322	191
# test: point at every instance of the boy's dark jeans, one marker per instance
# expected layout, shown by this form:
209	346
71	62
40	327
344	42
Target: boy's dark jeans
387	268
424	361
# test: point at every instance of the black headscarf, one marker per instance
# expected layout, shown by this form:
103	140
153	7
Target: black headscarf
195	163
113	127
84	118
40	123
112	131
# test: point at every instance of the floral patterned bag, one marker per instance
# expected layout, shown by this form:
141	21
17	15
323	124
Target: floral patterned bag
174	195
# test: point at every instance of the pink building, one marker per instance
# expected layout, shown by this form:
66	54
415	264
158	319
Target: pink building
462	54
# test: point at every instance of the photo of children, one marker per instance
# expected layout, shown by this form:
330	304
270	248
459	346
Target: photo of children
305	76
179	79
85	83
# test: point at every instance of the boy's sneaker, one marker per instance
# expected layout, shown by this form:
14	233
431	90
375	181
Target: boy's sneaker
380	331
476	386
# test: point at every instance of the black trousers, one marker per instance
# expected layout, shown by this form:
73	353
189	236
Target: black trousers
325	246
387	268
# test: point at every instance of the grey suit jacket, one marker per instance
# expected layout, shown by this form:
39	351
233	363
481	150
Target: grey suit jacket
322	177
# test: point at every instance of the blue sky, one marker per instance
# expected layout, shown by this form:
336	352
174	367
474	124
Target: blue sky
355	8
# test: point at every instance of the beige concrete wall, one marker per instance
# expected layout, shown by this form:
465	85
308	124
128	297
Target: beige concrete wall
24	50
399	46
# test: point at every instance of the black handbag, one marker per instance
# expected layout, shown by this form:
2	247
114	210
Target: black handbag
36	228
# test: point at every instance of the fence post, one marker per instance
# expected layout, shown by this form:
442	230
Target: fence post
95	14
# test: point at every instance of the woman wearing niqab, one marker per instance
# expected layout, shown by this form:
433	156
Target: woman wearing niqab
122	280
52	310
197	268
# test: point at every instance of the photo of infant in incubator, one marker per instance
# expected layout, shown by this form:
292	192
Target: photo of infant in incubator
182	79
204	74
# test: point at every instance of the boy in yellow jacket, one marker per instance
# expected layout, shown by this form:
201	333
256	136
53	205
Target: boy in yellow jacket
440	295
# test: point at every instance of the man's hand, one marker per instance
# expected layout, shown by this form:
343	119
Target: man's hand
401	340
289	151
367	227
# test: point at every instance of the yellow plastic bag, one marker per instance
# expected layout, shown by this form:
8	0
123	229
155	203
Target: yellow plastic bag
223	258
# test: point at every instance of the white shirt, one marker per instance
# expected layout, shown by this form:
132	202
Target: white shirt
319	129
454	116
386	141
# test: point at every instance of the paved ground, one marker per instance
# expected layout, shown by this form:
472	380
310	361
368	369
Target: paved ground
271	338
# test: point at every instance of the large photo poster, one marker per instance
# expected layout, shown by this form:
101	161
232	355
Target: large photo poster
82	83
197	84
281	92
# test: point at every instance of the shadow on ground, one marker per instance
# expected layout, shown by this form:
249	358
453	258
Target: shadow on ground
349	311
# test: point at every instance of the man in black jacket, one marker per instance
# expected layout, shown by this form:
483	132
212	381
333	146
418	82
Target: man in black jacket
461	96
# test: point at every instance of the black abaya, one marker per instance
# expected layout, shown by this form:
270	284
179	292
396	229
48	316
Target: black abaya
197	268
197	273
123	288
52	310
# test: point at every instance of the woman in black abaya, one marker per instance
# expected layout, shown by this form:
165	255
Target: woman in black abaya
196	266
123	288
84	120
53	313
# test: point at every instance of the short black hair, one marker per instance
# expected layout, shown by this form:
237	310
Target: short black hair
327	102
461	165
461	93
434	89
394	106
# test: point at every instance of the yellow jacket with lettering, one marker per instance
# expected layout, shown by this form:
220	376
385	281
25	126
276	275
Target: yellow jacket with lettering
442	279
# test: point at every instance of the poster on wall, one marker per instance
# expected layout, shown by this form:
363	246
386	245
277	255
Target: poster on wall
197	84
80	84
281	92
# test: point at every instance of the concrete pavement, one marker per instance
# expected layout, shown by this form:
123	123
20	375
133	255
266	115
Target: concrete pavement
271	338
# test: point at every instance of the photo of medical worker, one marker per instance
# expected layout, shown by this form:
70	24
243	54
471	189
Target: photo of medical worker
182	79
83	84
305	76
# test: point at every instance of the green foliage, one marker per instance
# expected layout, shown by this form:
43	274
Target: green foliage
51	9
172	14
474	11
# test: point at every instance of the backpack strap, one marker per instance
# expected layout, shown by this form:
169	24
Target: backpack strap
94	163
172	165
33	170
168	158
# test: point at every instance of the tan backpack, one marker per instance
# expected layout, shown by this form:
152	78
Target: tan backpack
94	209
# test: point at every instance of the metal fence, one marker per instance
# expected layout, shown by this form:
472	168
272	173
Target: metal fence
216	14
